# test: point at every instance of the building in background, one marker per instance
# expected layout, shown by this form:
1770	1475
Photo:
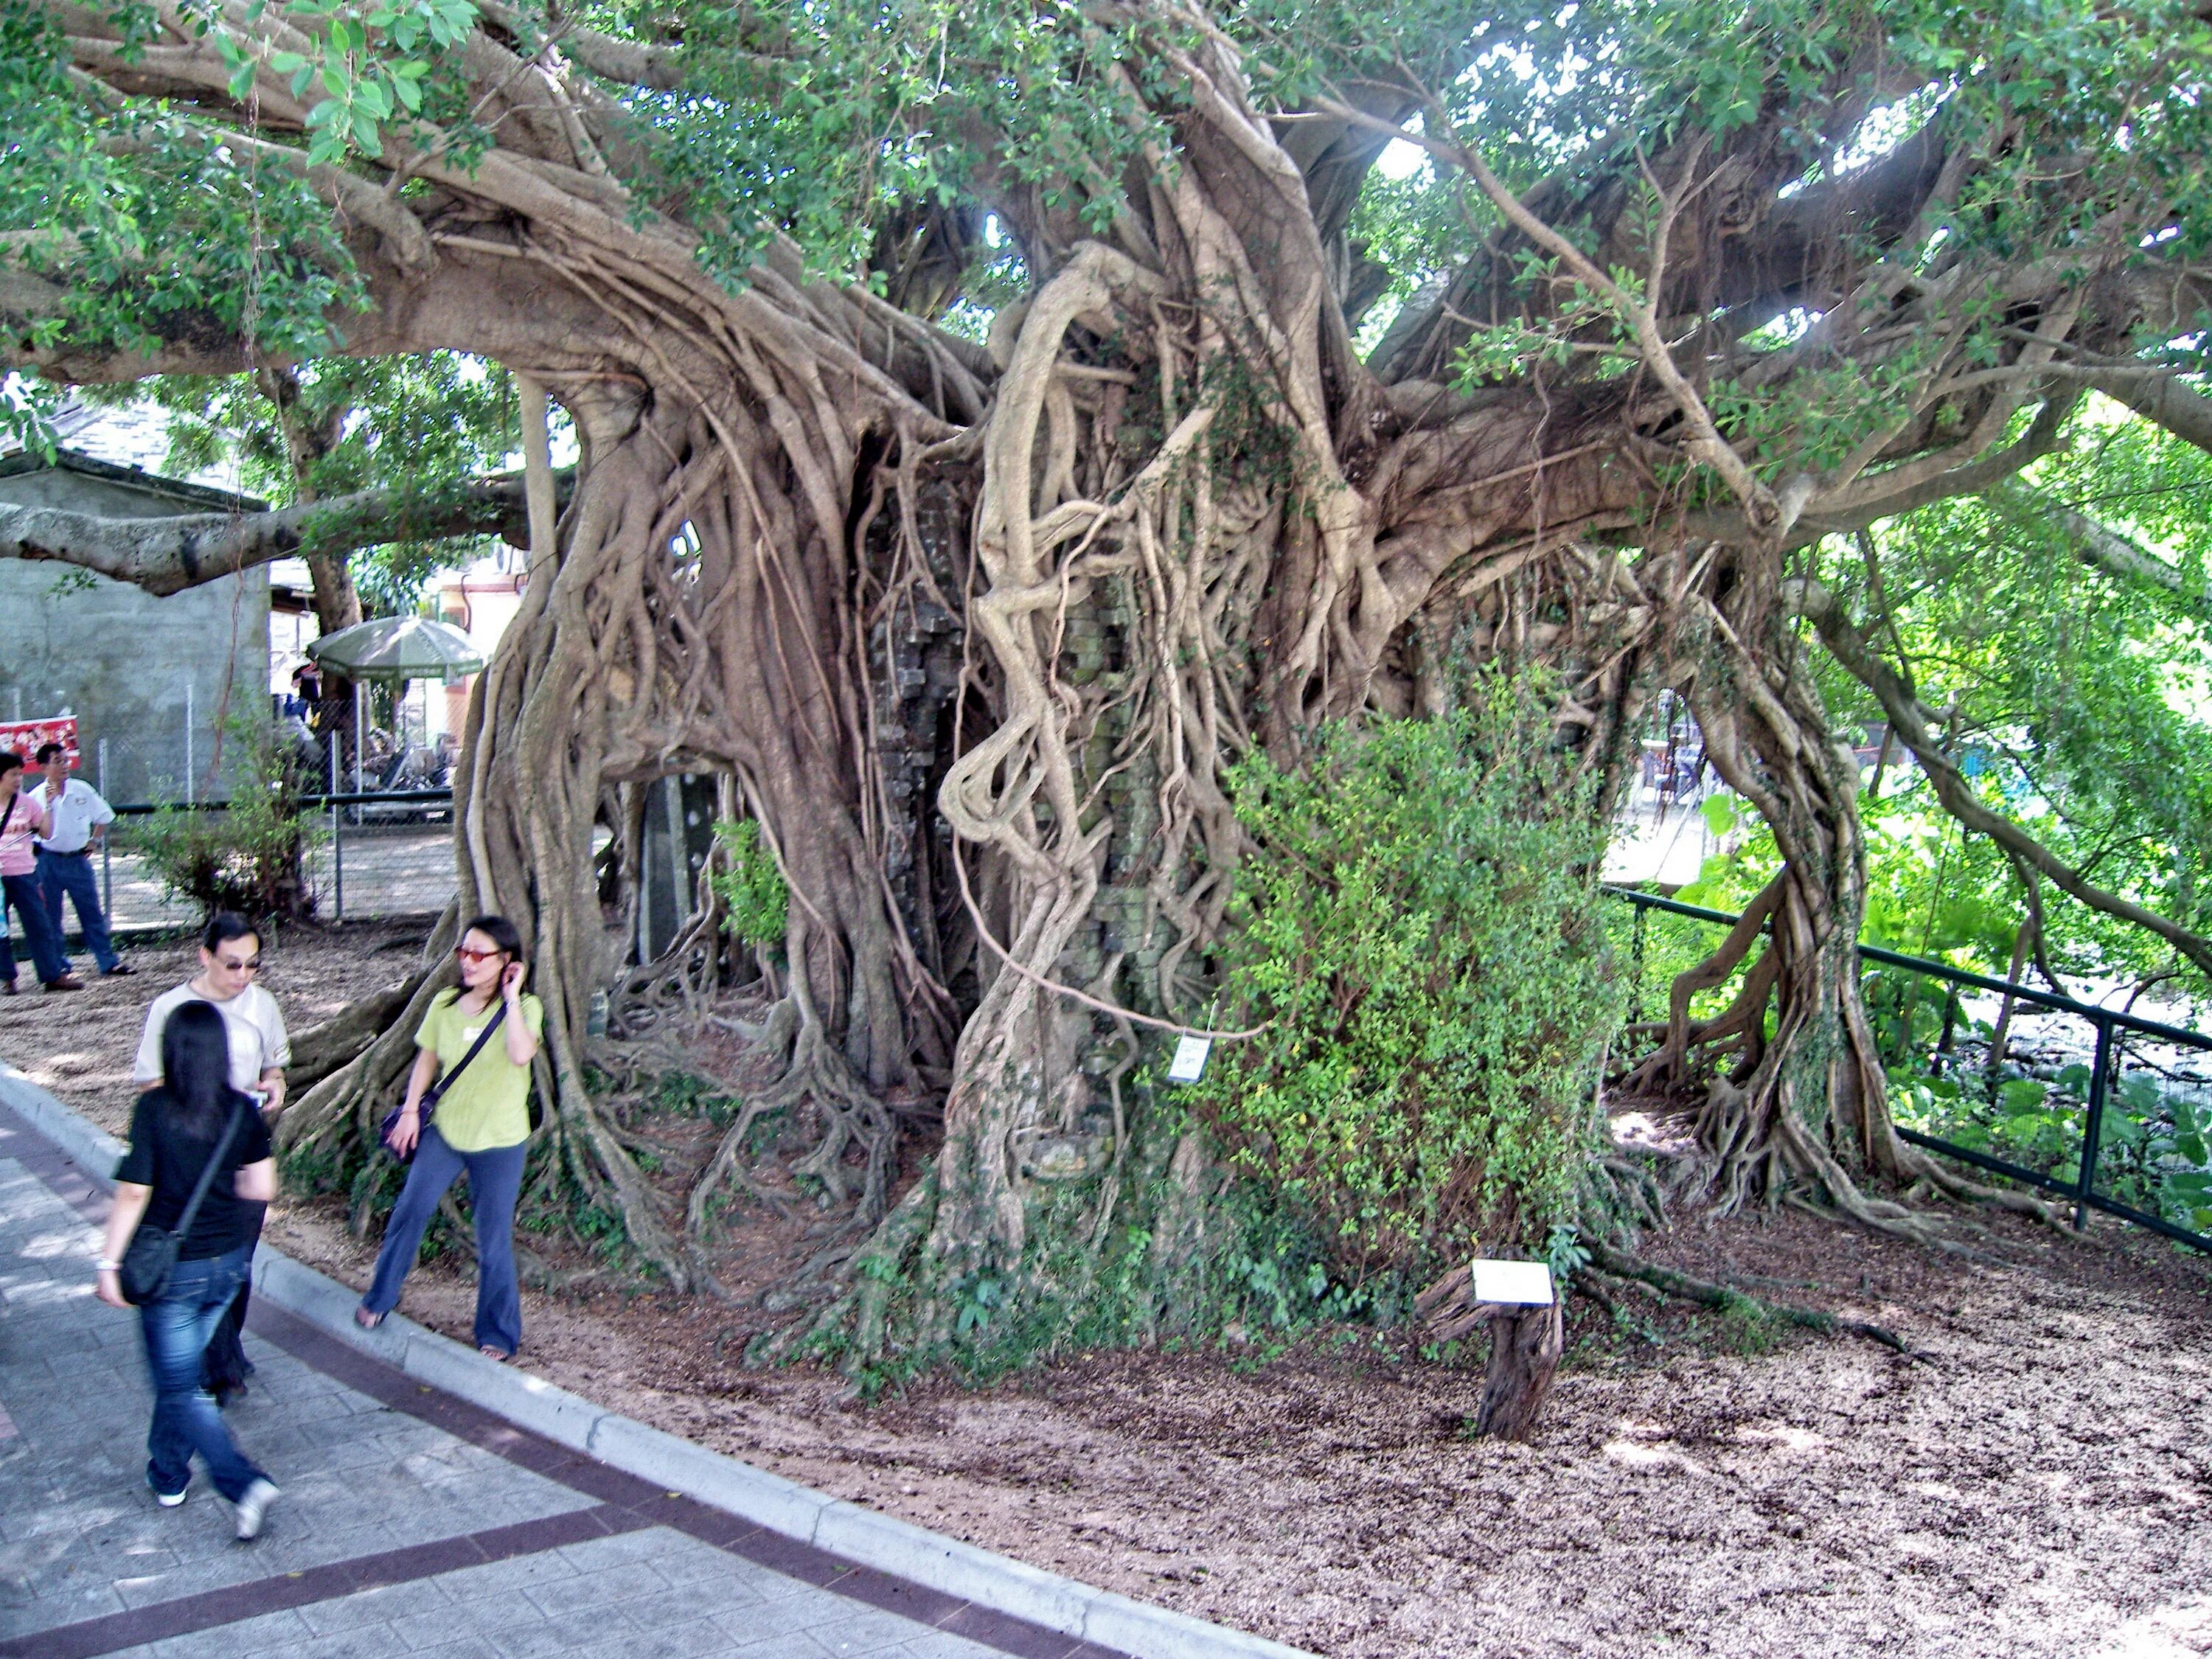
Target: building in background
480	601
151	681
155	678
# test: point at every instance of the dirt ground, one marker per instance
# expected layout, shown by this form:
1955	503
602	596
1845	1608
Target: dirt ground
2038	1486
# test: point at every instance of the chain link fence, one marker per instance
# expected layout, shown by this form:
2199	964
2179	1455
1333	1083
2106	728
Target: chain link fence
388	853
386	849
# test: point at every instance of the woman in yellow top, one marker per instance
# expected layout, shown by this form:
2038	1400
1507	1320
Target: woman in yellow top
482	1124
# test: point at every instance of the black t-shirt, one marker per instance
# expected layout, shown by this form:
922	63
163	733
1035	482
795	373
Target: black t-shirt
164	1157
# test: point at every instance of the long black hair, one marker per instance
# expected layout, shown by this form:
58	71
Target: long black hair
196	1068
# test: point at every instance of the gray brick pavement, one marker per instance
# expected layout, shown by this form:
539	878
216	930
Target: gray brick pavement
81	1537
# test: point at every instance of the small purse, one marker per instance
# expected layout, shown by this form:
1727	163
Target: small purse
151	1260
436	1091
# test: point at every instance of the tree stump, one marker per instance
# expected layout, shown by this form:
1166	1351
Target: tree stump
1525	1344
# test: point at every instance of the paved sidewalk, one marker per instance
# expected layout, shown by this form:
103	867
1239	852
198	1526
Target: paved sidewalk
411	1522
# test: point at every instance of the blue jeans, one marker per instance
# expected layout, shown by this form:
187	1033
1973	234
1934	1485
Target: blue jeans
29	900
185	1421
495	1183
71	873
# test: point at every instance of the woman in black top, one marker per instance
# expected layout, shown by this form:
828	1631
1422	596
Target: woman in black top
174	1129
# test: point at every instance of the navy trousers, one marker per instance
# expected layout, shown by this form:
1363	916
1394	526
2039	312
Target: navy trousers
71	873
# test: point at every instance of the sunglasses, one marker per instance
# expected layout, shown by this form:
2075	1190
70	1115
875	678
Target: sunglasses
467	955
253	967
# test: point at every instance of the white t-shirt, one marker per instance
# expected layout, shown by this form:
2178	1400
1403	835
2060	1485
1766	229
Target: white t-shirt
73	815
257	1040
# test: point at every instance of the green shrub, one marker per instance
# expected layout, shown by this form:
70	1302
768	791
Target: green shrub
751	889
1419	930
250	856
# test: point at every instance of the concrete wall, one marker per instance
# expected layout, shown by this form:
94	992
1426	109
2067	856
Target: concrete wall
152	676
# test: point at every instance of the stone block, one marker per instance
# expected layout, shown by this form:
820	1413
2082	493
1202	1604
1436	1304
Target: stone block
952	1568
530	1402
677	1465
1150	1632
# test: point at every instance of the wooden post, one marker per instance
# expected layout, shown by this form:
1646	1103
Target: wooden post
1525	1344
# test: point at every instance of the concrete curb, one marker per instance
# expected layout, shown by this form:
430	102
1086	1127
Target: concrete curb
863	1537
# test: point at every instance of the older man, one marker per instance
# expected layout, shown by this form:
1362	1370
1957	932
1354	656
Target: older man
79	818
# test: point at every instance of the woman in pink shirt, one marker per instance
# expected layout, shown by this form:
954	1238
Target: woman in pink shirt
20	818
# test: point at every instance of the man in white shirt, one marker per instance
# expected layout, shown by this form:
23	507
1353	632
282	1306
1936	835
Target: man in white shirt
230	957
76	818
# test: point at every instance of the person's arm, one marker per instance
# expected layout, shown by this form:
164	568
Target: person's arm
146	1070
102	815
521	1042
255	1183
123	1215
275	1049
409	1129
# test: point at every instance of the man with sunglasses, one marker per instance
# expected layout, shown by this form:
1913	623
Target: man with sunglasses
230	959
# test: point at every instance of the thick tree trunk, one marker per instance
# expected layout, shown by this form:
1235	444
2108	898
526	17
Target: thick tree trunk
338	602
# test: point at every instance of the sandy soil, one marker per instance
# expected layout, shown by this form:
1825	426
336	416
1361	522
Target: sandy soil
2038	1486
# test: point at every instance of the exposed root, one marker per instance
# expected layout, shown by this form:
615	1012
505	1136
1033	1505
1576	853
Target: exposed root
1707	1293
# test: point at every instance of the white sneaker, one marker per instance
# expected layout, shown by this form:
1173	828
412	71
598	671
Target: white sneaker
252	1505
167	1500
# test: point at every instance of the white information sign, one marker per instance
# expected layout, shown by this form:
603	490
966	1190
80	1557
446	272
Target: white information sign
1189	1062
1516	1284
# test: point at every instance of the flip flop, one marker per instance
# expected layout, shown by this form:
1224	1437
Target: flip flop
366	1320
493	1353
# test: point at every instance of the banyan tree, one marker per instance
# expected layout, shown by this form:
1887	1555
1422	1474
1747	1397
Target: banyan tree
994	420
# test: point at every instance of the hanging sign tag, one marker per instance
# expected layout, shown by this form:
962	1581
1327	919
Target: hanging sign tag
1189	1062
1514	1284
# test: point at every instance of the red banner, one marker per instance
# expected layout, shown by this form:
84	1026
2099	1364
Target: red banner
27	737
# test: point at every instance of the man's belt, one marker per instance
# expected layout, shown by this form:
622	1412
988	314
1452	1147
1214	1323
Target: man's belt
73	852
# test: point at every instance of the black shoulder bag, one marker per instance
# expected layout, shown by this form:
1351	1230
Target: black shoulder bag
436	1091
151	1260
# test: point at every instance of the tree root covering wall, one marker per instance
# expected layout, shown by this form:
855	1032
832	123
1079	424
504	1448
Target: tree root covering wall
972	633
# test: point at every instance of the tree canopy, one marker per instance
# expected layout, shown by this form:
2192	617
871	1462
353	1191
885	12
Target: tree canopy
995	422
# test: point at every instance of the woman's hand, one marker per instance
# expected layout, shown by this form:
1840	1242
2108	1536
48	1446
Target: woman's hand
406	1132
123	1213
510	980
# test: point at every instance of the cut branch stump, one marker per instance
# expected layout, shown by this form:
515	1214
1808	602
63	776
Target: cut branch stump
1525	1344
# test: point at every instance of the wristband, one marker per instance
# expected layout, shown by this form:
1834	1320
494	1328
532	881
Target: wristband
107	1267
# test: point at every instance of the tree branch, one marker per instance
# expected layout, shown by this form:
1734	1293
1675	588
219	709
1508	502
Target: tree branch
2108	550
2172	404
167	555
1859	658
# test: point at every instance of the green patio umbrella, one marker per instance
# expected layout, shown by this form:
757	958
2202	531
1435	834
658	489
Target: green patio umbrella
396	649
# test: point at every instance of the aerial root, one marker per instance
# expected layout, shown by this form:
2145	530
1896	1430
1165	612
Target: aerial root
814	1076
1705	1292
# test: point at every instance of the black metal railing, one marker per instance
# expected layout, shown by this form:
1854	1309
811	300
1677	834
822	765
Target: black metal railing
2110	1026
307	802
